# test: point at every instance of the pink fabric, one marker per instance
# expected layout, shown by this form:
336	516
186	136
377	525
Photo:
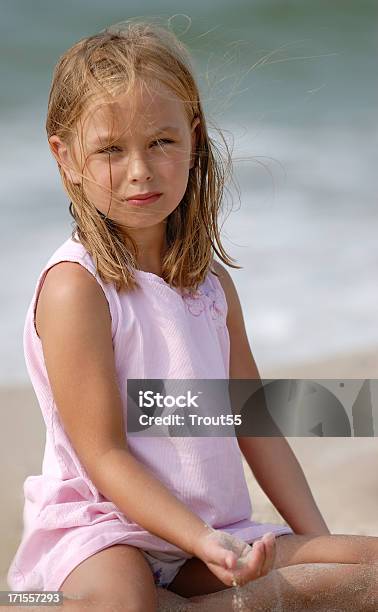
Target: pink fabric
157	333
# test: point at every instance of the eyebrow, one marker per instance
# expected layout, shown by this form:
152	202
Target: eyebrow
166	128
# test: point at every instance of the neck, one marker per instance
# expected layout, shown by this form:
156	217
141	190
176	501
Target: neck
151	245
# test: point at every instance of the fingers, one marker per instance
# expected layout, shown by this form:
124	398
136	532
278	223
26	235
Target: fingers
250	565
261	559
270	553
230	560
224	549
258	562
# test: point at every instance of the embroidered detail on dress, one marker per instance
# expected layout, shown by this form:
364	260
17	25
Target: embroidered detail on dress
157	575
158	579
203	299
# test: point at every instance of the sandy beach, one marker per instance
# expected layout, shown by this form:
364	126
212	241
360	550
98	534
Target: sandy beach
341	471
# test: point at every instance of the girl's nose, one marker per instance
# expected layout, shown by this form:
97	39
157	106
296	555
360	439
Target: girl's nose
138	169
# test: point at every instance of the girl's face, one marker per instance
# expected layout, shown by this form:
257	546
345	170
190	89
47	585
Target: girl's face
134	146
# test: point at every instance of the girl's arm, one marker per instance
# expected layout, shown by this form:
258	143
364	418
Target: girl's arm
73	322
282	479
271	459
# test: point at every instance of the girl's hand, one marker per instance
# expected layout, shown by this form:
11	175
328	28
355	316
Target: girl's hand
233	561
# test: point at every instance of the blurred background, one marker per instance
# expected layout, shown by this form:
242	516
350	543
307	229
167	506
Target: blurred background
293	86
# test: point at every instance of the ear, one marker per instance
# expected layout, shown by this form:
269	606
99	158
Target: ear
195	123
63	156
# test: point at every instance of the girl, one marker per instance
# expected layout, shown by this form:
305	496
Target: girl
135	293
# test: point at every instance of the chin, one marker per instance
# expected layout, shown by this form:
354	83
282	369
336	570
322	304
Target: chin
142	223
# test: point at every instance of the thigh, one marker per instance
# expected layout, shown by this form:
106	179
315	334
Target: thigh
196	579
293	549
118	577
311	587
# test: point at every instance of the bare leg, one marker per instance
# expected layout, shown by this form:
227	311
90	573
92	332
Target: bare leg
71	605
313	587
293	549
167	601
330	573
196	579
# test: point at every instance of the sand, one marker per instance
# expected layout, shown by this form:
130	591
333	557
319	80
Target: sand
342	472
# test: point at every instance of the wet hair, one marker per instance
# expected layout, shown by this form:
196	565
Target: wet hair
101	67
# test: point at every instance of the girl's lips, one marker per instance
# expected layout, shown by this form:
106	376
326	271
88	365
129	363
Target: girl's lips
145	201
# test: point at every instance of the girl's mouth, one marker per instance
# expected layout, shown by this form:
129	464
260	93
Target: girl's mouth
144	201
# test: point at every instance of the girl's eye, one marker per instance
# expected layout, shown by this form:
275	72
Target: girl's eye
115	149
109	149
164	140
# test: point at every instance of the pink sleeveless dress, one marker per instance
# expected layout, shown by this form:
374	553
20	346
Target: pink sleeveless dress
157	333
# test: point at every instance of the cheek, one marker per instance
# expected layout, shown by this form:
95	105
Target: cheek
180	184
99	175
176	171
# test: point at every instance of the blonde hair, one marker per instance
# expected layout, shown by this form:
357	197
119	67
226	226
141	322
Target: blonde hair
104	64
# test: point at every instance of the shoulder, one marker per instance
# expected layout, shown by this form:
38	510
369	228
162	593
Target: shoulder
242	363
234	310
69	280
68	287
